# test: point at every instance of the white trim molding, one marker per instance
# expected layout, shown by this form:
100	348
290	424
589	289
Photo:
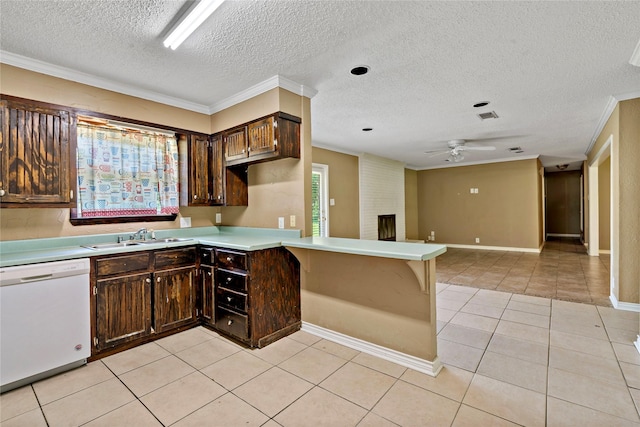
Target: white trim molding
626	306
496	248
403	359
637	343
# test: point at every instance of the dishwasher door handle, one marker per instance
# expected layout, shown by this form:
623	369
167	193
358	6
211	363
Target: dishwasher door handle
36	278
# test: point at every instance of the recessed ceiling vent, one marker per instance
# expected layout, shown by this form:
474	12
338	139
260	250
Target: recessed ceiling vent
489	115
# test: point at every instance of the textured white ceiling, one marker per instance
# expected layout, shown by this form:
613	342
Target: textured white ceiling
549	69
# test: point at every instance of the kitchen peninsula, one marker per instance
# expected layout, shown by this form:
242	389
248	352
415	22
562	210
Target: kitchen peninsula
375	296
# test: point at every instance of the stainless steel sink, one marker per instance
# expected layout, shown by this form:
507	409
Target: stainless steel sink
166	240
110	245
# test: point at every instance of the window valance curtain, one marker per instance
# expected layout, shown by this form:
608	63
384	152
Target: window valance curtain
124	172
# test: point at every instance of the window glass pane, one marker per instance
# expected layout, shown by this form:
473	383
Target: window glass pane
315	204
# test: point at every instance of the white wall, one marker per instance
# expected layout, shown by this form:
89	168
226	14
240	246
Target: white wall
381	193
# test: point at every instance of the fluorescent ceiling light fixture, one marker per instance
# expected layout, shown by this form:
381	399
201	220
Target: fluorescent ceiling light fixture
635	57
189	23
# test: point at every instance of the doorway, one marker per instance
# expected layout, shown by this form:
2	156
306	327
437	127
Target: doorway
320	200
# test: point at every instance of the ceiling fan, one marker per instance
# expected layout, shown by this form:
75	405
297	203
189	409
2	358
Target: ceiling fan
456	149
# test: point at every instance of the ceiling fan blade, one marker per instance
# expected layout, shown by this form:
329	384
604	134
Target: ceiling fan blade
437	153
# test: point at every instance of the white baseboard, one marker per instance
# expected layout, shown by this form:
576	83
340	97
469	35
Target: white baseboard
637	343
626	306
562	235
406	360
604	252
494	248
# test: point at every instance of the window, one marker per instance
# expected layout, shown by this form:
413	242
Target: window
319	196
125	171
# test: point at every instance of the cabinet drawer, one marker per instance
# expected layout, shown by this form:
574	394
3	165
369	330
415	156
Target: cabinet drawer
207	256
231	280
232	299
175	258
231	260
122	264
233	323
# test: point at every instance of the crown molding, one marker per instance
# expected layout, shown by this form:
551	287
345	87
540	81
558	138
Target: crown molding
95	81
260	88
612	102
126	89
336	149
635	56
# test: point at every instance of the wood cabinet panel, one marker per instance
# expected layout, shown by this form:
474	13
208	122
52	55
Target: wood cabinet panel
36	164
123	264
261	136
171	258
199	168
123	310
207	294
235	144
217	171
231	260
174	300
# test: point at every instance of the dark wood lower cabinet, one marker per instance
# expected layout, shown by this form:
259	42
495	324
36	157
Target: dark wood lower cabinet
252	297
123	310
174	298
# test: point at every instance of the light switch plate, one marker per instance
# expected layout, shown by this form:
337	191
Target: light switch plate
292	220
332	202
218	217
185	222
280	222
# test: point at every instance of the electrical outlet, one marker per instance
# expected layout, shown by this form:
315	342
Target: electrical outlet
280	222
471	191
292	220
218	218
185	222
332	202
477	240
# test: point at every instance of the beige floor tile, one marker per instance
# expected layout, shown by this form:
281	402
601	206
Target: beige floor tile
182	397
483	310
211	351
408	405
273	390
627	353
441	287
373	420
87	404
507	401
236	369
452	295
226	411
561	414
449	304
134	358
531	319
321	408
631	374
16	402
623	336
358	384
155	375
522	331
312	364
463	335
593	346
32	418
70	382
522	373
459	355
131	414
472	417
336	349
183	340
520	349
271	423
528	299
619	319
493	301
451	382
586	364
278	351
635	395
487	324
443	314
600	395
305	338
380	365
463	289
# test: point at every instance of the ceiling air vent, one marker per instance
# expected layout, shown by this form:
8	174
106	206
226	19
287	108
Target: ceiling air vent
489	115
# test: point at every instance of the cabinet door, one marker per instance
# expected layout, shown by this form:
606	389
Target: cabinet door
123	310
35	158
261	135
235	144
208	302
199	159
174	298
217	170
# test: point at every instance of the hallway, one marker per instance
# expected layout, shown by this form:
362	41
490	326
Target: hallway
562	271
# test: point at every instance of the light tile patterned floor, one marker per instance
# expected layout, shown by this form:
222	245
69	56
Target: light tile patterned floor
509	359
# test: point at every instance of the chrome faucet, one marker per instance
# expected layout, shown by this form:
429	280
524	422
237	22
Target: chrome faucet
140	234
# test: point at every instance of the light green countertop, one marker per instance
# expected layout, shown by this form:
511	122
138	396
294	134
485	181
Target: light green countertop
375	248
32	251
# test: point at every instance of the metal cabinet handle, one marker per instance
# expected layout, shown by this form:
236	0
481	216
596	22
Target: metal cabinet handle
2	192
147	280
158	279
209	273
195	196
229	279
229	299
229	259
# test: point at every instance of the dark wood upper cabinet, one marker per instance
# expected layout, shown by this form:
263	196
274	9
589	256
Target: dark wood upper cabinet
37	156
217	170
268	138
199	170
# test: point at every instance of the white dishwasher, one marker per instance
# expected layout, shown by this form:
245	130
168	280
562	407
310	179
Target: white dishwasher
44	320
